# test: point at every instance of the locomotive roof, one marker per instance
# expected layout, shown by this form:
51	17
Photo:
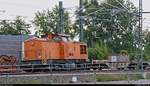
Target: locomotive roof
45	39
64	35
36	38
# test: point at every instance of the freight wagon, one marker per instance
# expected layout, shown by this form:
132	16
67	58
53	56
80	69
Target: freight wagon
11	50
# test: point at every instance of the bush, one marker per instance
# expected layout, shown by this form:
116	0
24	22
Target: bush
111	77
124	52
147	52
99	51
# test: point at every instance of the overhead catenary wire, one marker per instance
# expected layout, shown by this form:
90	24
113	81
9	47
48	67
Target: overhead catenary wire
95	8
111	5
117	8
122	5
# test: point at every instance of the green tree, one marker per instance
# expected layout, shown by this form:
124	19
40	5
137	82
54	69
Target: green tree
112	21
5	28
147	52
146	45
99	51
16	27
20	26
47	22
147	37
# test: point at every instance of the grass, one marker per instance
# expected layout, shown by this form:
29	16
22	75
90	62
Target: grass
118	77
35	82
148	76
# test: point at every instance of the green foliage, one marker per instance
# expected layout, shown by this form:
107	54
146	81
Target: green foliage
111	77
146	55
99	51
16	27
124	52
113	24
147	38
47	21
132	56
147	52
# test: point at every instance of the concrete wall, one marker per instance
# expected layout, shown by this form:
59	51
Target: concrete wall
42	79
62	78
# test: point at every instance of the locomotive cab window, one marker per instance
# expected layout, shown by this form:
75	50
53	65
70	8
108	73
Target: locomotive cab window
82	49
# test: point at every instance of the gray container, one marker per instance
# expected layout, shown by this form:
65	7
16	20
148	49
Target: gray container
11	45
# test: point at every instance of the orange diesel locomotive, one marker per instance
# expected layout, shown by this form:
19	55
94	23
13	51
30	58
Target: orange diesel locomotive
54	48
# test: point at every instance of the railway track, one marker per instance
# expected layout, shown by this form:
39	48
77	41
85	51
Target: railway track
62	69
79	72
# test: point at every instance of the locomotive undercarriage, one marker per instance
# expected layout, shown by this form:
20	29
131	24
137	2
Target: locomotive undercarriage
63	65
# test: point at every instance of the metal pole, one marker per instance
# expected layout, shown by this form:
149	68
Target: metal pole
61	17
140	32
81	20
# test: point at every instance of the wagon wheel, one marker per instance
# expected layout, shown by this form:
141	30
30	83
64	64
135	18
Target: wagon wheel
7	60
13	63
1	61
13	60
4	59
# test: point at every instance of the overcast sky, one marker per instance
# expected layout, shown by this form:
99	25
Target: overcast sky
27	8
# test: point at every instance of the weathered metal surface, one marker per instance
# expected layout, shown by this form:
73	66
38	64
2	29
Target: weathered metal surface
11	45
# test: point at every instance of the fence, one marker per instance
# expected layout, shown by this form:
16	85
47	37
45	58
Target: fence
94	77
